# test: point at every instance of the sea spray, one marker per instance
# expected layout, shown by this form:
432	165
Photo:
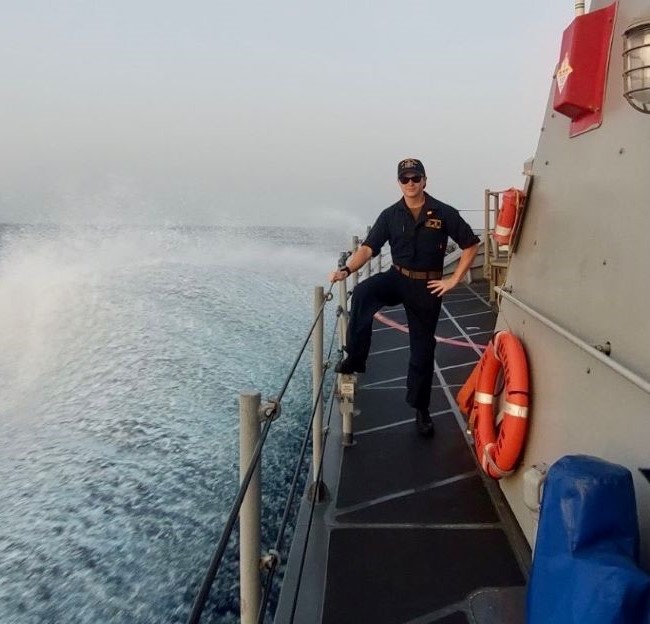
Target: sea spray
122	353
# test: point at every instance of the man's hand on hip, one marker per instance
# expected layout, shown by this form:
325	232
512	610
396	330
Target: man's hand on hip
441	286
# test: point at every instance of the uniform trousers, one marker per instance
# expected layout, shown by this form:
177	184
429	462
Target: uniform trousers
422	310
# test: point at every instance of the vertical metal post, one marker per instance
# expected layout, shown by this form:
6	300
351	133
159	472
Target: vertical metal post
355	247
345	382
343	319
343	303
486	235
317	491
369	261
250	513
346	387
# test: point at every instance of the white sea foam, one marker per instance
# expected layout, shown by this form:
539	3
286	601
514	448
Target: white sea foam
122	353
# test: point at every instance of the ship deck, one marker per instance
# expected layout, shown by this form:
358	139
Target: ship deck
411	531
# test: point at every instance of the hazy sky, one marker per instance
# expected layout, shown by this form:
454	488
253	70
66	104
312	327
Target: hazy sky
265	112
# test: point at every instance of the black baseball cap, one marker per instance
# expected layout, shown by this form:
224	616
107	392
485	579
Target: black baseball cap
410	165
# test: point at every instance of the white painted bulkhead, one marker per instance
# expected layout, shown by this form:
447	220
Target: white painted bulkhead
583	261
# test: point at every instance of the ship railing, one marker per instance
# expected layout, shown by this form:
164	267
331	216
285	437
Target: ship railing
256	419
496	257
601	352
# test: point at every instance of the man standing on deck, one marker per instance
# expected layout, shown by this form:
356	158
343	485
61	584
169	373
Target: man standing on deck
417	228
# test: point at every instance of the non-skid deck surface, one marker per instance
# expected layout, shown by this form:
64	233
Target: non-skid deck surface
415	537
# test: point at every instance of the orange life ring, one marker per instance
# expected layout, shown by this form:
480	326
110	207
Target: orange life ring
510	204
498	447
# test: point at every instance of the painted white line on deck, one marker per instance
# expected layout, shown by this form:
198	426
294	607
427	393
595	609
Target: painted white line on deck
478	348
453	318
457	301
462	606
342	524
383	329
376	387
392	310
479	296
444	368
398	423
395	495
388	350
374	383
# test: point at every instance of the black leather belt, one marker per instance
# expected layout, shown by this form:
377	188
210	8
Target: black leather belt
427	275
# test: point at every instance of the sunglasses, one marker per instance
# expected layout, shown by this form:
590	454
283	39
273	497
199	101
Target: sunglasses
406	179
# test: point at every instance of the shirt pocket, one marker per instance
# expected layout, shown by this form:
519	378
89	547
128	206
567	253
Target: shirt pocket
431	242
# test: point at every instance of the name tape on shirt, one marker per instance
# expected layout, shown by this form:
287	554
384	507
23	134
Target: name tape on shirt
436	224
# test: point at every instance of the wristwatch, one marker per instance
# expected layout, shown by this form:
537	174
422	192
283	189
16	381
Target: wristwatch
346	268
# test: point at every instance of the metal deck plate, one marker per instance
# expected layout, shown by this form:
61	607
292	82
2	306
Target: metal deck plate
397	459
393	575
411	534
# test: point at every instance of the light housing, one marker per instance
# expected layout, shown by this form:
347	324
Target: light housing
636	63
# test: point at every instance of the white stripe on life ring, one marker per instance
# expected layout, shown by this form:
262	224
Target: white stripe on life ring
484	398
496	346
518	411
488	460
502	231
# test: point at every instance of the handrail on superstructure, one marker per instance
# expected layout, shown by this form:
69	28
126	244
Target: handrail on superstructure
631	376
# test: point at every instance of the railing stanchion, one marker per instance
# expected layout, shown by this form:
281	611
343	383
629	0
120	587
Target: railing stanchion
355	275
343	320
343	305
347	386
248	501
250	512
317	491
369	265
486	235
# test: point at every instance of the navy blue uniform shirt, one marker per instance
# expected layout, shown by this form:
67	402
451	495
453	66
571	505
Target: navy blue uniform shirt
420	245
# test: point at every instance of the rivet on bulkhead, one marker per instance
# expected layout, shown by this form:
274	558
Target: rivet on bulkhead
621	151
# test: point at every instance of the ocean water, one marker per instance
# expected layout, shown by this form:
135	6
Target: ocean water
122	355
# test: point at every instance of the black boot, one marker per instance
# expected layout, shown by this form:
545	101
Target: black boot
424	423
348	366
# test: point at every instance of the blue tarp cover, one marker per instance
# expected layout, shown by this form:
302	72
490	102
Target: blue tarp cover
585	566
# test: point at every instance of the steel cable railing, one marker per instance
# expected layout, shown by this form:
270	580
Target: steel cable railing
303	556
327	298
292	493
215	562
